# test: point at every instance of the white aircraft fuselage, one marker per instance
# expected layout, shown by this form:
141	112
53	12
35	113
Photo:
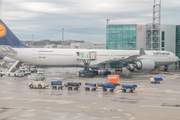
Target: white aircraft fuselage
68	57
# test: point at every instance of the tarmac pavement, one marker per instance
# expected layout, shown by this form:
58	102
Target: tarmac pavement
147	102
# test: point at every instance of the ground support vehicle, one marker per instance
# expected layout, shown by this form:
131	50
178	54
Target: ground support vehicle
87	73
72	85
33	69
155	80
38	81
90	86
57	85
25	71
18	73
113	79
40	71
108	85
130	87
1	73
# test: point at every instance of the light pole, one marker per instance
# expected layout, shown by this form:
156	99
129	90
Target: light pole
63	37
32	39
107	21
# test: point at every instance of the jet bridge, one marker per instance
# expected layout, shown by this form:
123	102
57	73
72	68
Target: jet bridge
88	55
86	58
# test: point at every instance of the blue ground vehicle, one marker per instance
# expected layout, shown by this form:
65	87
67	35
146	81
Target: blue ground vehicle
155	80
130	87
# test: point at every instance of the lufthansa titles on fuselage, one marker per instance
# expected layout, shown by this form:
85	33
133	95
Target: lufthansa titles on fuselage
44	51
161	53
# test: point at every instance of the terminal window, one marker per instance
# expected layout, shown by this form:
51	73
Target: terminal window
162	44
121	37
163	35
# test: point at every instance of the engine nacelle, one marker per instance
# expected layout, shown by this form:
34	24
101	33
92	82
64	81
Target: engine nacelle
145	64
130	67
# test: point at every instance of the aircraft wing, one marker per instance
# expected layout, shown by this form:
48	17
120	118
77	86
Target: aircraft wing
7	51
121	60
124	60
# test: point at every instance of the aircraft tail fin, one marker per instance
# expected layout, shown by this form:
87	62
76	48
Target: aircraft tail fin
7	37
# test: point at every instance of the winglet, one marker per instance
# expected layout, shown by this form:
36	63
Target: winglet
142	52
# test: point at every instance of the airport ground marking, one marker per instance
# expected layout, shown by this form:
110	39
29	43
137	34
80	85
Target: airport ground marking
40	100
159	107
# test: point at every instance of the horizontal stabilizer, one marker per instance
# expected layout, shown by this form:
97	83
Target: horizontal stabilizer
7	51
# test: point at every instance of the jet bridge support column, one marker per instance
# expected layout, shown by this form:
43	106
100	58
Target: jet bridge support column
86	64
86	58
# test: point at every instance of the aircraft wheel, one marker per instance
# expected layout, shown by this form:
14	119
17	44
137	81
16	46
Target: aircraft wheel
104	89
75	88
39	87
111	90
69	88
130	91
31	86
124	90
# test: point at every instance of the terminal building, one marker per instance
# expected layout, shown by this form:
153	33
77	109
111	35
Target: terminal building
136	36
178	40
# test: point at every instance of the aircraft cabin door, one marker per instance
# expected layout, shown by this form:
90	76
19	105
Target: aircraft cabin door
35	54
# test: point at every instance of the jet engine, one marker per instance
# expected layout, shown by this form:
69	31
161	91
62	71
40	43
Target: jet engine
130	67
145	64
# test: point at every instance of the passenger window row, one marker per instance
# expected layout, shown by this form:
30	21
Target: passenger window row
102	55
58	54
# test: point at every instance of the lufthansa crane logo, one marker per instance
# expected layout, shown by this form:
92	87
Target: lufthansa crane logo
140	28
2	30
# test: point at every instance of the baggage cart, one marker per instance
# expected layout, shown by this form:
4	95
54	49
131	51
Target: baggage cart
72	85
109	86
130	87
90	86
57	85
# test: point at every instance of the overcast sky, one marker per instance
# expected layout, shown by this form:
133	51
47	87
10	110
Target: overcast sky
81	19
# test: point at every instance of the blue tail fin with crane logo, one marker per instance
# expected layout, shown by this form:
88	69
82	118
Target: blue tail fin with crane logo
7	37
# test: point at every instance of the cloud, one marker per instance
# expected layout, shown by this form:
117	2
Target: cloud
81	19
